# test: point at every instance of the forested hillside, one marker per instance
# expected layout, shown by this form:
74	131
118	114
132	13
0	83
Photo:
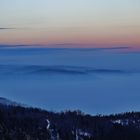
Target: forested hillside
19	123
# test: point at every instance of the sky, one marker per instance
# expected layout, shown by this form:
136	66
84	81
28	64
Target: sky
100	22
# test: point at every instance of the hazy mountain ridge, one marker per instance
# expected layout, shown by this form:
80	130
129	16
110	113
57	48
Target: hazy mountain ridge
17	122
59	69
5	101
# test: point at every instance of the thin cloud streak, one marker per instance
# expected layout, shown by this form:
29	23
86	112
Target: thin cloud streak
7	28
67	46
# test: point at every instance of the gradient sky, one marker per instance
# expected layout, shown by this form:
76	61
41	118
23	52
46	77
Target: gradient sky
115	22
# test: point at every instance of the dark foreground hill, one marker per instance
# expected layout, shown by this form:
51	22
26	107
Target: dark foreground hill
19	123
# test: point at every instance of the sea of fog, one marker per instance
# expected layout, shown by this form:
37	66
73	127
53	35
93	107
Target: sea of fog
92	80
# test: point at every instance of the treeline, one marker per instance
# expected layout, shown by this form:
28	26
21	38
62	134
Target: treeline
19	123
